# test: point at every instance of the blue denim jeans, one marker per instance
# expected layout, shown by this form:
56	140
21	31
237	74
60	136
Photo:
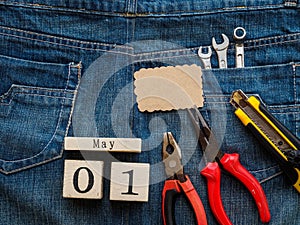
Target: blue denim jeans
67	70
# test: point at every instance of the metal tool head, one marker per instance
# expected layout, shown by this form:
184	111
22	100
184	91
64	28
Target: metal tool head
202	130
239	34
203	55
172	157
238	99
223	45
206	138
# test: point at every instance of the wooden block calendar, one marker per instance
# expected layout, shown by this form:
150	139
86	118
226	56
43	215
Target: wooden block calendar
83	179
129	181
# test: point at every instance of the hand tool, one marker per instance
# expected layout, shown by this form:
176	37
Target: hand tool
205	57
177	183
221	50
239	35
230	163
275	137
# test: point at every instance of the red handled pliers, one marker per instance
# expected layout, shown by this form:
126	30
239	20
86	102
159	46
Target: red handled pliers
177	183
214	159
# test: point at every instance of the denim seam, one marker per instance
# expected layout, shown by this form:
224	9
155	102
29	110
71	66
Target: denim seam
271	177
168	51
269	171
290	3
295	86
3	97
47	96
276	43
296	106
55	41
219	102
196	49
27	61
273	37
79	67
29	166
160	57
284	107
153	14
65	45
55	38
61	111
271	107
217	95
131	6
26	94
264	169
296	65
27	88
49	90
295	36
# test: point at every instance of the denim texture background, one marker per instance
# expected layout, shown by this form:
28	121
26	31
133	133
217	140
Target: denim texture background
48	47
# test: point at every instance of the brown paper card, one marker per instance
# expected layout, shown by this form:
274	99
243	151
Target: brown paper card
168	88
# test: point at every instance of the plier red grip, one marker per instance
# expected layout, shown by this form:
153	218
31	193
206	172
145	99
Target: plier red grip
215	159
177	183
175	187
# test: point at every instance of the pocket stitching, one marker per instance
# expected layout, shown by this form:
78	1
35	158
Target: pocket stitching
39	153
20	89
59	152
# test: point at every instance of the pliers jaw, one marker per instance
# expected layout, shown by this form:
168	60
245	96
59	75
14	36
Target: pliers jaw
172	158
206	138
177	183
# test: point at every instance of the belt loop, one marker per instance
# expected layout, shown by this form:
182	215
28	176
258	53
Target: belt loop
290	3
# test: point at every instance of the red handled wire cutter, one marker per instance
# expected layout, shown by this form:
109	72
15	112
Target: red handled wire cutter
177	183
214	159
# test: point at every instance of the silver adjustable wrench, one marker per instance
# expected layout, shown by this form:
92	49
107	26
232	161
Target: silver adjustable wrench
221	50
205	57
239	35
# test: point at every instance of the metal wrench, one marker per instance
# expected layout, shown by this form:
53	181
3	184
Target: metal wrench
221	50
205	57
239	46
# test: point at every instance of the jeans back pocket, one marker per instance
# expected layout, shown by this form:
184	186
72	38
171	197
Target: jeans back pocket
34	112
276	87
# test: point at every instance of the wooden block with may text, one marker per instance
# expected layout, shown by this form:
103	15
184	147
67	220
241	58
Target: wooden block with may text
103	144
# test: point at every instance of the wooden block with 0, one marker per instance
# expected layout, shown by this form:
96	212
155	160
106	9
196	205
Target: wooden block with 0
83	179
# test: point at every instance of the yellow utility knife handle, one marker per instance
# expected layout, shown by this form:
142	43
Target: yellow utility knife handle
277	126
292	173
255	103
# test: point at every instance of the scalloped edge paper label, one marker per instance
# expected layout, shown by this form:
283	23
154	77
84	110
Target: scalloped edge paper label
169	88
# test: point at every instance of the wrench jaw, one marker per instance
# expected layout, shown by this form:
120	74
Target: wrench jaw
224	45
221	50
205	57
